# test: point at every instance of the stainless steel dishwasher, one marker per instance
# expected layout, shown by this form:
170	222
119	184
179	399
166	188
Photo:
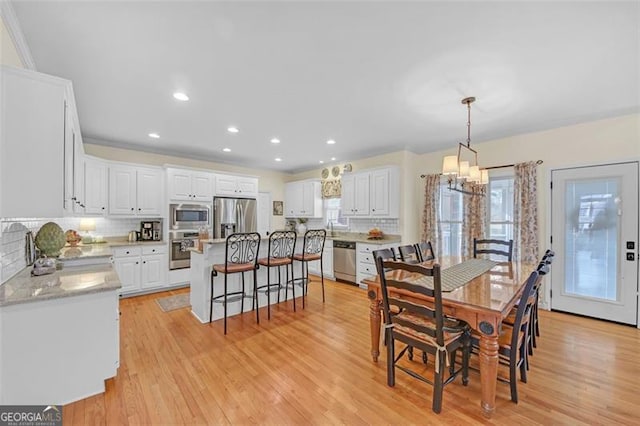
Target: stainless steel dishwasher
344	260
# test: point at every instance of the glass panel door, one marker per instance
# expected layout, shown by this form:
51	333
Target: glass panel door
595	232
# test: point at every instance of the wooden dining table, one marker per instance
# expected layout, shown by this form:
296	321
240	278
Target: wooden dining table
483	303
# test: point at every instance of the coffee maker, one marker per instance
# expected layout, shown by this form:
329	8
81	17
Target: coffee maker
151	230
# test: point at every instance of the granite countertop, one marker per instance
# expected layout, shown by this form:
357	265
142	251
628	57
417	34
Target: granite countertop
83	251
68	282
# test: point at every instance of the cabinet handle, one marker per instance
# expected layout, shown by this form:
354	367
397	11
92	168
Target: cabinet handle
139	209
144	261
153	251
103	208
373	210
137	263
132	208
127	252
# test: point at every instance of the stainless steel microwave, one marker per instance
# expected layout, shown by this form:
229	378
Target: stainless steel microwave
189	216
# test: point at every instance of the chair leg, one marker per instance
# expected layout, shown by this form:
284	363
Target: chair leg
211	307
255	294
305	281
225	304
243	294
268	292
279	281
513	380
438	380
391	365
322	279
410	353
293	287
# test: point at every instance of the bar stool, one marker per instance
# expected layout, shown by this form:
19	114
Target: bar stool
280	253
241	255
312	248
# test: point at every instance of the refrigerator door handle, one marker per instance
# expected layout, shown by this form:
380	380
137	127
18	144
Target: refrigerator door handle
241	218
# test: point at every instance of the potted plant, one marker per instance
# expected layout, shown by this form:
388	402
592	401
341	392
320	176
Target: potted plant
301	228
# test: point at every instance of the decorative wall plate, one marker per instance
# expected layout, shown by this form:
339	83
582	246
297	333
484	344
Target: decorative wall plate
325	173
335	171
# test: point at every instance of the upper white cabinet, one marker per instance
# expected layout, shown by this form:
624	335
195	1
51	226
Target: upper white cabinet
95	187
135	191
384	198
33	144
190	185
303	199
373	193
355	194
236	186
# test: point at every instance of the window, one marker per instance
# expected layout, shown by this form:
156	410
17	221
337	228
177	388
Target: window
333	213
500	208
451	221
499	214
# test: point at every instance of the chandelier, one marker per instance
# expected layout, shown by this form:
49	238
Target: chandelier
461	175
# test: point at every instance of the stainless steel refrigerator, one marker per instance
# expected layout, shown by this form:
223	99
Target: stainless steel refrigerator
231	215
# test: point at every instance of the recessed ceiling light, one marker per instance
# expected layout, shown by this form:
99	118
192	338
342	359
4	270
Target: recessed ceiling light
278	159
321	162
226	149
275	140
333	158
181	96
331	142
232	129
154	135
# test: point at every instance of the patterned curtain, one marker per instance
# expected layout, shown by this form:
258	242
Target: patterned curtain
331	188
430	222
473	219
525	212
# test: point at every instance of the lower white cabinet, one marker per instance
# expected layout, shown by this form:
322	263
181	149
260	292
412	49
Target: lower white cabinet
327	261
141	267
365	262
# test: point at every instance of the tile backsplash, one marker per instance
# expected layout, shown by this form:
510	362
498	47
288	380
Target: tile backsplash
12	237
388	226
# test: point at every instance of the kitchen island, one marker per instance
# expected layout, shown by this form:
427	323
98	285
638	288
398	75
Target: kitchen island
60	334
213	252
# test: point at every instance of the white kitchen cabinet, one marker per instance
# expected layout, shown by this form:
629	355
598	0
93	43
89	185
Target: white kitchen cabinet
126	261
190	185
303	199
327	261
236	186
385	192
365	263
355	194
149	194
141	267
135	191
95	187
154	266
32	147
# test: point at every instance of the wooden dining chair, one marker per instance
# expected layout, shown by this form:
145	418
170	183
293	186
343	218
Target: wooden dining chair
512	340
421	326
493	247
409	253
425	251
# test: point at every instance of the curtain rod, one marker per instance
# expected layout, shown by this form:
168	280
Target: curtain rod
494	167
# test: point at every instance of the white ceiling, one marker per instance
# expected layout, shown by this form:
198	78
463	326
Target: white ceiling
375	76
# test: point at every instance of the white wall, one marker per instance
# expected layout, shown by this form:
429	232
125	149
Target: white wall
8	53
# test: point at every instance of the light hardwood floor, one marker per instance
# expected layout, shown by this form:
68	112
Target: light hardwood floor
314	367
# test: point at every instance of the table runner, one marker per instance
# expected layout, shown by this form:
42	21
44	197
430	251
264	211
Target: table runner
460	274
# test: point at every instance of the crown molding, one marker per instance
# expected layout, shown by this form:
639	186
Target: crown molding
15	32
